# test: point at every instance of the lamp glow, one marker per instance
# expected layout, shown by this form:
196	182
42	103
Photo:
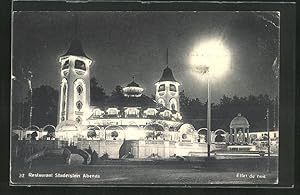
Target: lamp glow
210	57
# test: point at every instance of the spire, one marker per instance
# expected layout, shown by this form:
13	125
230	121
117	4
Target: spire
167	57
76	46
75	26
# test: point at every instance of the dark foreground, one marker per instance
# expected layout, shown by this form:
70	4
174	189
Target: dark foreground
122	172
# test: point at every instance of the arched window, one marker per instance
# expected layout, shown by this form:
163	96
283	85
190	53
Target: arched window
97	112
64	90
112	111
132	111
173	107
151	112
79	105
66	65
79	65
166	114
173	104
162	87
63	105
162	102
173	87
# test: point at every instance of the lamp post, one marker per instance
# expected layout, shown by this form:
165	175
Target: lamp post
211	59
208	117
268	130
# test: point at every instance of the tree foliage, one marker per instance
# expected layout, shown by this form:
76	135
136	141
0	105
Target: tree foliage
97	92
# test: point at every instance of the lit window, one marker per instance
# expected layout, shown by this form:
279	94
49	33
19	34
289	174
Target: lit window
162	87
80	65
151	112
166	114
97	112
131	112
112	112
64	90
64	105
79	105
172	87
66	65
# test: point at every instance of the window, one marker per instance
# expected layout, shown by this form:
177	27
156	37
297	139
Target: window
112	112
166	114
162	87
79	89
97	112
173	107
80	65
132	112
184	136
162	102
63	105
66	65
151	112
79	105
64	90
172	87
78	119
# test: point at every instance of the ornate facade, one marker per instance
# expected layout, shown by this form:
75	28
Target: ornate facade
130	117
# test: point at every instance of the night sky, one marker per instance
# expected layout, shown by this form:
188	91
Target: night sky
126	44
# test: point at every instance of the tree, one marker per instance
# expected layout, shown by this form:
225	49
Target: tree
45	103
98	94
118	91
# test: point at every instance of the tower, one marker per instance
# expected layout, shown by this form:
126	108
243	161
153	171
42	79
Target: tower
74	93
167	90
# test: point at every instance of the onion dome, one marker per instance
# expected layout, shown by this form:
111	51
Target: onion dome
133	84
76	49
167	75
239	122
133	89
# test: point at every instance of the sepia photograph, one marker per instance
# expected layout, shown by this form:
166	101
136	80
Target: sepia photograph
157	98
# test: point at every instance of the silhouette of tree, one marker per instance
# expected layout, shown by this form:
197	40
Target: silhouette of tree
45	104
97	92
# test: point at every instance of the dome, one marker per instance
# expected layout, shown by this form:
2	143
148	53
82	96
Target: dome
133	89
133	84
239	122
167	75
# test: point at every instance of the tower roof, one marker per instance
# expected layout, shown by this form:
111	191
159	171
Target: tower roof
167	75
76	49
133	84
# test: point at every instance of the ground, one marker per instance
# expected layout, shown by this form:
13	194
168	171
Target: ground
179	173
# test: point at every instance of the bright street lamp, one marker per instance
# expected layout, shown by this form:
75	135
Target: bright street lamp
210	59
